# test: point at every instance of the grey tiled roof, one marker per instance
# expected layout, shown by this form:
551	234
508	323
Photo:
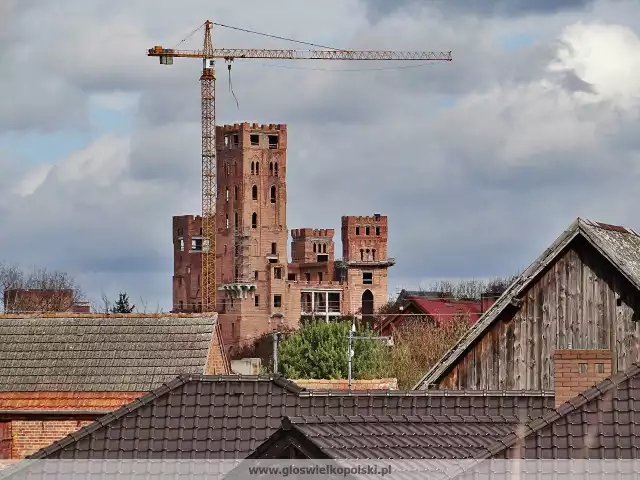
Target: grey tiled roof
402	437
619	245
220	417
134	354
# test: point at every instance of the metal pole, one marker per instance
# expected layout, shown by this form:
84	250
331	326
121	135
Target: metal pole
275	352
350	336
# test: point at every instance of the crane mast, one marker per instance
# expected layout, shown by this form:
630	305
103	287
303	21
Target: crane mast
208	54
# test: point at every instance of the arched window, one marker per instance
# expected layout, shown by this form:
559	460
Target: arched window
367	252
253	168
275	169
373	252
254	220
254	192
270	168
361	254
314	248
226	220
257	168
273	194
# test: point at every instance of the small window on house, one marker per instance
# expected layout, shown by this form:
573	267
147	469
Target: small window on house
255	140
257	301
196	244
292	277
270	168
277	301
307	277
377	230
273	141
273	194
253	168
275	169
274	248
254	192
256	275
277	273
367	278
236	140
583	368
254	220
357	229
235	192
366	230
319	276
599	367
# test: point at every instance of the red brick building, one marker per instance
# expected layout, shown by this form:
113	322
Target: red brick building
259	289
30	300
59	373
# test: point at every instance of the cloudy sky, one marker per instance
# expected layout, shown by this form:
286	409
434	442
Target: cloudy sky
479	163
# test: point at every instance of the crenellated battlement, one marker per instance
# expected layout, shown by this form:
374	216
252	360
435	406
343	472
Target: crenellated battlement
246	126
351	219
302	233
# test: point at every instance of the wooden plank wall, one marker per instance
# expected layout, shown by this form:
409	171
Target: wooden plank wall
573	304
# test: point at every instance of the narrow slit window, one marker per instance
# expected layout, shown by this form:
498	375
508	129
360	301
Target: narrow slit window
357	229
254	220
254	192
271	168
273	194
253	168
275	169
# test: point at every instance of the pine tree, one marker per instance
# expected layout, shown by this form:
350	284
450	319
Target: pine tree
122	305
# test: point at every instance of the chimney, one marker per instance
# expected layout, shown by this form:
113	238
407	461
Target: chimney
579	370
487	300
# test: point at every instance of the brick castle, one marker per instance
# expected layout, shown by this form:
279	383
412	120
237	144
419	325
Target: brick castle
259	290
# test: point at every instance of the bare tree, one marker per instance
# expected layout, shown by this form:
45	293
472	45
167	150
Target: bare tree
39	290
472	289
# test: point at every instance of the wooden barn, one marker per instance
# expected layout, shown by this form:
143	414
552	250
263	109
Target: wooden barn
582	296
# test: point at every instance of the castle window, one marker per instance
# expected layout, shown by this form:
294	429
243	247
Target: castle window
235	192
226	220
307	277
277	301
270	168
275	169
366	230
181	305
324	248
233	329
254	192
226	140
274	248
314	248
273	194
367	278
378	230
236	140
277	273
182	244
236	220
257	301
357	229
319	276
373	252
257	168
361	254
273	141
254	220
226	193
255	140
292	277
253	168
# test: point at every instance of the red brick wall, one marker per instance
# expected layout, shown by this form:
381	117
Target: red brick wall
29	436
217	362
578	370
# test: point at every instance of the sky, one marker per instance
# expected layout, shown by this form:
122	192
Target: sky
479	163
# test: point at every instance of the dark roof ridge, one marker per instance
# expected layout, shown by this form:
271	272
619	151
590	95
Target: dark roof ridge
430	393
324	419
563	410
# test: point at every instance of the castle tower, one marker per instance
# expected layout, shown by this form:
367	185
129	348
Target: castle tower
187	263
252	229
365	265
312	255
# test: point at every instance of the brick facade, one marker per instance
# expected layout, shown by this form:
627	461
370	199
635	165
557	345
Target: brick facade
29	436
258	289
578	370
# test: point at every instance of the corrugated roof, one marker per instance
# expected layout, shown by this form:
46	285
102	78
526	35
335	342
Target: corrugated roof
101	353
230	416
619	245
402	437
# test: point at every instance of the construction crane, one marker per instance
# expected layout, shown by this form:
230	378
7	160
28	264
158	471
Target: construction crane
208	55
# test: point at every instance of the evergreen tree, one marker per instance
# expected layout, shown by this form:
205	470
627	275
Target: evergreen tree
122	305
